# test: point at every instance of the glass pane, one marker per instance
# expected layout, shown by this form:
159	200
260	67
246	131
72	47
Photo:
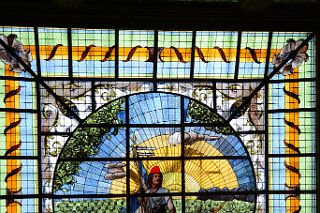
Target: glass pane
215	54
135	53
89	50
175	54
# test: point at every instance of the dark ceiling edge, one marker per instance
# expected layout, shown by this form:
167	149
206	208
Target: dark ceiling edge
167	17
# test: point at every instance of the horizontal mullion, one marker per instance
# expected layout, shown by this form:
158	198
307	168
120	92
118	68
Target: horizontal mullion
252	192
19	157
293	80
159	80
292	110
251	132
18	110
56	133
179	158
292	155
154	125
142	125
13	78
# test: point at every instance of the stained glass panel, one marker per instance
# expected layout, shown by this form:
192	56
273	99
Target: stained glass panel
126	120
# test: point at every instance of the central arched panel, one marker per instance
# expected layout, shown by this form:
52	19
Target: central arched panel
122	141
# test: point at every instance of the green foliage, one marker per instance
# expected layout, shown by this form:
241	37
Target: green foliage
108	205
191	206
107	114
84	142
211	206
202	114
237	206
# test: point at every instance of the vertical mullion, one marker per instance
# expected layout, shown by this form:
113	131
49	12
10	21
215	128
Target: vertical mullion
266	144
93	98
317	121
70	67
266	125
38	92
127	151
182	154
194	33
36	40
155	62
214	94
236	70
268	55
116	59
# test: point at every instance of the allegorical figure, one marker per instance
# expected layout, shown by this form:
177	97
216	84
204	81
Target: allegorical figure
157	204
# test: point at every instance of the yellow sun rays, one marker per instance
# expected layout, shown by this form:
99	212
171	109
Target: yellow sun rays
199	173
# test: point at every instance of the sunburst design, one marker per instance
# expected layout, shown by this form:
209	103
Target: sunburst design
202	173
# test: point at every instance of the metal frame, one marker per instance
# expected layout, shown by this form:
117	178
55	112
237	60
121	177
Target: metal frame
317	154
40	81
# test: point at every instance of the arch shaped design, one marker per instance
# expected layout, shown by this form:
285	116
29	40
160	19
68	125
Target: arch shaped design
125	138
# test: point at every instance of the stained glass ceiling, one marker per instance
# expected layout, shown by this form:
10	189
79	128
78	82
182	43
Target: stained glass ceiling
229	113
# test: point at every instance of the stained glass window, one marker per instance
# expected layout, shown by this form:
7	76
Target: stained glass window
113	120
